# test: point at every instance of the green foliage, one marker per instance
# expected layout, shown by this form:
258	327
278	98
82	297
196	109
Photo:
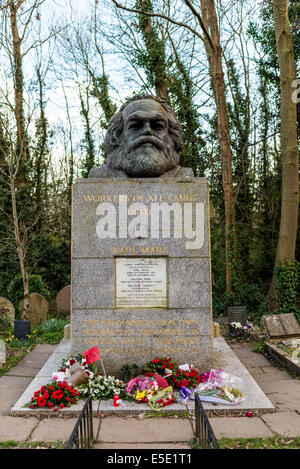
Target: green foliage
52	330
15	289
53	325
260	347
129	371
51	257
287	275
51	337
171	75
87	142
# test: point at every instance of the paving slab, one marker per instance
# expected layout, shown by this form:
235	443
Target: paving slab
173	446
16	428
57	429
242	427
249	358
115	429
11	388
284	423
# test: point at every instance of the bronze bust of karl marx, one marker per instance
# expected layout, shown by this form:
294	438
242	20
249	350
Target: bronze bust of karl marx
143	139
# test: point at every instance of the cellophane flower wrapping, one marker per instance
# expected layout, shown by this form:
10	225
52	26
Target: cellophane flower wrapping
162	398
222	387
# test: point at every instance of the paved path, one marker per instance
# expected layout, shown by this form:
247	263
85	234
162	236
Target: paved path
169	433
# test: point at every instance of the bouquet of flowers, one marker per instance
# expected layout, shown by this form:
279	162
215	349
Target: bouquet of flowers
238	330
76	370
221	387
176	377
162	398
54	396
101	387
142	388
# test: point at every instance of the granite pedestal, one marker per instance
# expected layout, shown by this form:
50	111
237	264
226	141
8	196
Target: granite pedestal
141	276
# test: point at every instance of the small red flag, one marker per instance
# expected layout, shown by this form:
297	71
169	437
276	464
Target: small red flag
92	355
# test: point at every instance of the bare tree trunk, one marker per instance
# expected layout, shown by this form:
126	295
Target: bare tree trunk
286	244
214	55
18	83
20	238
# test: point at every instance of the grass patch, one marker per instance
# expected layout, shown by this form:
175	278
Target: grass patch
260	347
13	357
50	332
276	442
11	444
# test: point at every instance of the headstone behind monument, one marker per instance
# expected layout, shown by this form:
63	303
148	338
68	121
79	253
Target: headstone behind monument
38	309
141	279
237	314
281	326
2	352
7	310
63	300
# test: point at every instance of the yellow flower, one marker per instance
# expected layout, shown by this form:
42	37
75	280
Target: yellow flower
140	395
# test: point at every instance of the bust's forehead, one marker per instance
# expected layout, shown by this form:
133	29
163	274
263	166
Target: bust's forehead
147	107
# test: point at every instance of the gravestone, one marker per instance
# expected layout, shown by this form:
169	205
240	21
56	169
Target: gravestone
237	314
7	310
63	300
281	326
38	309
2	352
141	274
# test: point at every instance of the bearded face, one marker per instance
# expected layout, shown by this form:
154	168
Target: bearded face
145	148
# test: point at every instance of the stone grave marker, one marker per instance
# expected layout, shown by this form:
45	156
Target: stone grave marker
7	310
237	314
38	309
63	300
281	326
2	352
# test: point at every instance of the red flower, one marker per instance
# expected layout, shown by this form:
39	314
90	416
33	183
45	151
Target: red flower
72	401
50	405
41	401
31	406
58	394
185	382
61	406
72	361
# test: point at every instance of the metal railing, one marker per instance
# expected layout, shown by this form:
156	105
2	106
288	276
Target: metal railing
204	433
82	434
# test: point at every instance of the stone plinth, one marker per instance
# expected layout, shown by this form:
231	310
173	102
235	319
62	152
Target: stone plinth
141	277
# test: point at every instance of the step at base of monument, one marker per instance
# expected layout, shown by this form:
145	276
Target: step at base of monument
224	358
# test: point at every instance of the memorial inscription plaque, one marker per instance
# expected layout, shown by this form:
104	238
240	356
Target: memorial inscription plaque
141	281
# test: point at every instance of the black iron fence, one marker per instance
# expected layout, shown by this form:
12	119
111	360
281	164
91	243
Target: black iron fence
82	434
204	433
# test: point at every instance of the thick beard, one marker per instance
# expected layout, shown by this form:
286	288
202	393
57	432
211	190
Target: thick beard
144	160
